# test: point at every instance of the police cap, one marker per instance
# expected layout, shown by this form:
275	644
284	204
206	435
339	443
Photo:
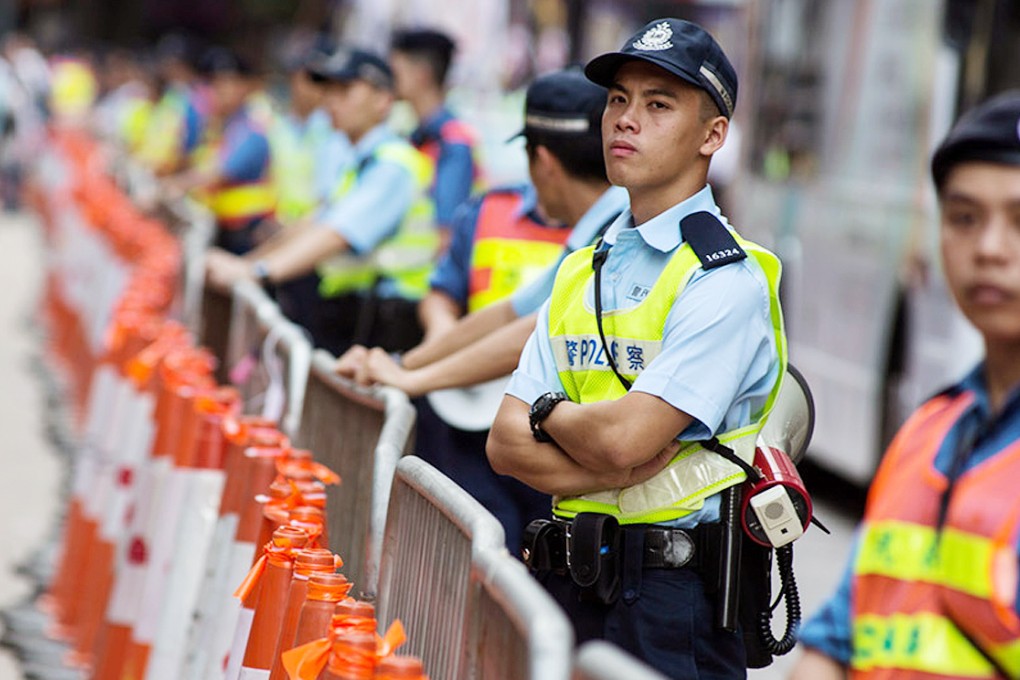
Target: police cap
684	49
345	65
990	132
563	103
224	61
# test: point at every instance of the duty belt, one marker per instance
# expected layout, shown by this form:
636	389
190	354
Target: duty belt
550	544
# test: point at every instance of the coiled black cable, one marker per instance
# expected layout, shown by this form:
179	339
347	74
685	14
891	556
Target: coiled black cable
784	563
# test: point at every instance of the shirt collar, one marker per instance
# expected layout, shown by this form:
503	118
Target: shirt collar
373	138
974	382
662	232
612	204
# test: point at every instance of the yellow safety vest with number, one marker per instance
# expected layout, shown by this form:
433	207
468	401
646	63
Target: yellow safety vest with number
635	338
407	257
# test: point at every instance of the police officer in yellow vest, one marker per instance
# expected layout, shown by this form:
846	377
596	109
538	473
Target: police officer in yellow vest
931	589
230	171
374	243
665	335
308	155
175	125
503	242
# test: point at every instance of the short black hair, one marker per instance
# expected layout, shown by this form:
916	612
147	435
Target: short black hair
433	47
581	155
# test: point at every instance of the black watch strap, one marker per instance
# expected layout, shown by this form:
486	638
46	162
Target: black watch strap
540	410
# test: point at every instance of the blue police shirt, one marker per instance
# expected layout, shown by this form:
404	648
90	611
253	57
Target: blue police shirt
453	272
829	630
373	209
455	164
245	153
718	361
609	205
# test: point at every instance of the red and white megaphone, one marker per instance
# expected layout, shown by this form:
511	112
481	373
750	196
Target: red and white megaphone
776	507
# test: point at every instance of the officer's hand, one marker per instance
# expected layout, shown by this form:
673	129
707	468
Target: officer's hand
223	269
350	362
381	368
652	467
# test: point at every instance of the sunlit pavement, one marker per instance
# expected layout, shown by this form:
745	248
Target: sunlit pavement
29	469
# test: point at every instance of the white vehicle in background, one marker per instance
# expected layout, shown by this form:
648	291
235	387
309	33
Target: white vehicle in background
844	103
840	105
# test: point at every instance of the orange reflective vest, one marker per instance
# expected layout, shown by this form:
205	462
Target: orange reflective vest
458	132
929	603
510	249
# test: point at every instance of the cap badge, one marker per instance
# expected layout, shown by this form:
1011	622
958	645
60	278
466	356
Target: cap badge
656	38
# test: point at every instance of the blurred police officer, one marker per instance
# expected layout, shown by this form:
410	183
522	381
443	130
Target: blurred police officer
664	336
421	60
502	242
931	588
230	169
176	123
374	243
308	154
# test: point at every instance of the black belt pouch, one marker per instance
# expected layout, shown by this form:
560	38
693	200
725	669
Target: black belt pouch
595	556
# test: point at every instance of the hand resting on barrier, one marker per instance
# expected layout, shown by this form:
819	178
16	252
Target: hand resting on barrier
376	366
223	269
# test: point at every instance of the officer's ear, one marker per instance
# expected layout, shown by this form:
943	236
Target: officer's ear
716	129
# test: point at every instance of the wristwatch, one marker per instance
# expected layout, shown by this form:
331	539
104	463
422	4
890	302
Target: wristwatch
540	410
260	270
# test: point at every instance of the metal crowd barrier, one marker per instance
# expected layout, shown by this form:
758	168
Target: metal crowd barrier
267	357
214	327
360	434
598	660
195	229
513	629
434	528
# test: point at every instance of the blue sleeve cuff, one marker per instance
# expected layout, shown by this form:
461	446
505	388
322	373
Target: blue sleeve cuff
527	388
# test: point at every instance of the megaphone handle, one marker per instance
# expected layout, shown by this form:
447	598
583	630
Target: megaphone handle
729	563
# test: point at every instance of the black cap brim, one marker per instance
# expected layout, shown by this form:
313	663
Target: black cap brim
320	76
602	69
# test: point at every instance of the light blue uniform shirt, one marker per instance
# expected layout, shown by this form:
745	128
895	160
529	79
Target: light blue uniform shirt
330	147
610	204
372	210
718	361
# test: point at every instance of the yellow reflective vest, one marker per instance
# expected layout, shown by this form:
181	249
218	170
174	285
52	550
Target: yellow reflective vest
405	258
634	336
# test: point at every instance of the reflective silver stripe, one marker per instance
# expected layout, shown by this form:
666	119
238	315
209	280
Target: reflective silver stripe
717	84
556	124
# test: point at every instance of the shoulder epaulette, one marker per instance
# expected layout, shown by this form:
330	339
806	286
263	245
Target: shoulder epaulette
710	240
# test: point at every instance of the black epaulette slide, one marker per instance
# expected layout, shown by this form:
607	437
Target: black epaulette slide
710	240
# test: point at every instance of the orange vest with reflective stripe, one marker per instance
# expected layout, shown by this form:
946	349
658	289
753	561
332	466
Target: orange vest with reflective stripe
454	131
929	604
510	249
